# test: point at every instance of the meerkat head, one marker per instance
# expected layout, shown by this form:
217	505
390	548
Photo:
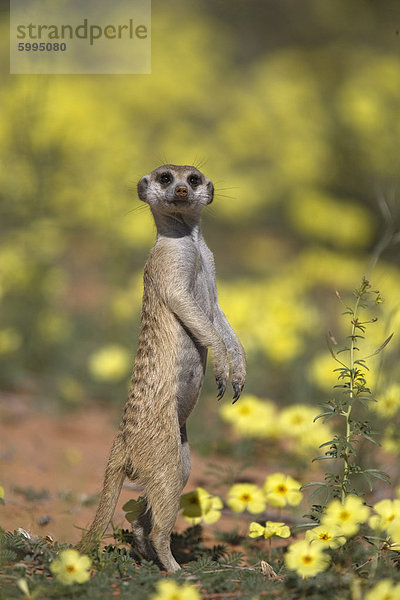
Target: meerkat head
176	189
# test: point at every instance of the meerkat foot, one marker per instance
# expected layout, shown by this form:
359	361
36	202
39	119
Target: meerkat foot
161	543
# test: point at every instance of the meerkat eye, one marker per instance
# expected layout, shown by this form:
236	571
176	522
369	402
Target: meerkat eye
194	180
165	178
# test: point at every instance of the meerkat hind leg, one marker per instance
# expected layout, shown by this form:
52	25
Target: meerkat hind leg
163	499
142	526
161	538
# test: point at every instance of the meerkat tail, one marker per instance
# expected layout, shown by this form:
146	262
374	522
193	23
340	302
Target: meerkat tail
113	479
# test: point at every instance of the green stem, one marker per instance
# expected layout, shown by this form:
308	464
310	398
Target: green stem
347	414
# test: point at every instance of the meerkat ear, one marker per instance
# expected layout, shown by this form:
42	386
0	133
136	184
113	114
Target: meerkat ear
210	189
142	186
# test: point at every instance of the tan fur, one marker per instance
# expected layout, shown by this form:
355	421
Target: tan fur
181	319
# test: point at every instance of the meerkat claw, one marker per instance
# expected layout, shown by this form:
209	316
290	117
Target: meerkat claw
237	391
221	389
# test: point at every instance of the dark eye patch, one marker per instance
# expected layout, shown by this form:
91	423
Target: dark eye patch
165	178
194	180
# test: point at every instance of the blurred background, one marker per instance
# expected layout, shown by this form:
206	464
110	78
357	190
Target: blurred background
292	109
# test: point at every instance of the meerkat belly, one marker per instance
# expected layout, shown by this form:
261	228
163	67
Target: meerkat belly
192	357
191	369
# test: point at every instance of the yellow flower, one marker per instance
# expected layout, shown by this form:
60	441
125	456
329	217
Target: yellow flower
345	517
71	567
1	493
133	508
321	372
110	363
388	403
251	417
297	419
200	505
246	495
271	528
393	530
280	489
306	559
317	434
326	536
387	511
384	590
168	589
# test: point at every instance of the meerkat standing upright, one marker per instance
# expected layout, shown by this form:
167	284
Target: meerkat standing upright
181	320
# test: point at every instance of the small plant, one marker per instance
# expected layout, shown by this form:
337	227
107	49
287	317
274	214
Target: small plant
352	389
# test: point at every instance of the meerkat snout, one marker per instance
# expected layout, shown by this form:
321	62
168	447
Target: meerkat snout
181	190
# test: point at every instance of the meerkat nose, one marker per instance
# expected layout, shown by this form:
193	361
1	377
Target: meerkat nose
181	190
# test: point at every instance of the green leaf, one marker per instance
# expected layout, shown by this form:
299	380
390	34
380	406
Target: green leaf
371	539
363	366
233	560
334	441
369	481
378	474
319	483
369	438
325	414
302	526
326	405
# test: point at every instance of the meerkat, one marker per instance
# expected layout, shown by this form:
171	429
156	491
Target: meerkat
181	320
